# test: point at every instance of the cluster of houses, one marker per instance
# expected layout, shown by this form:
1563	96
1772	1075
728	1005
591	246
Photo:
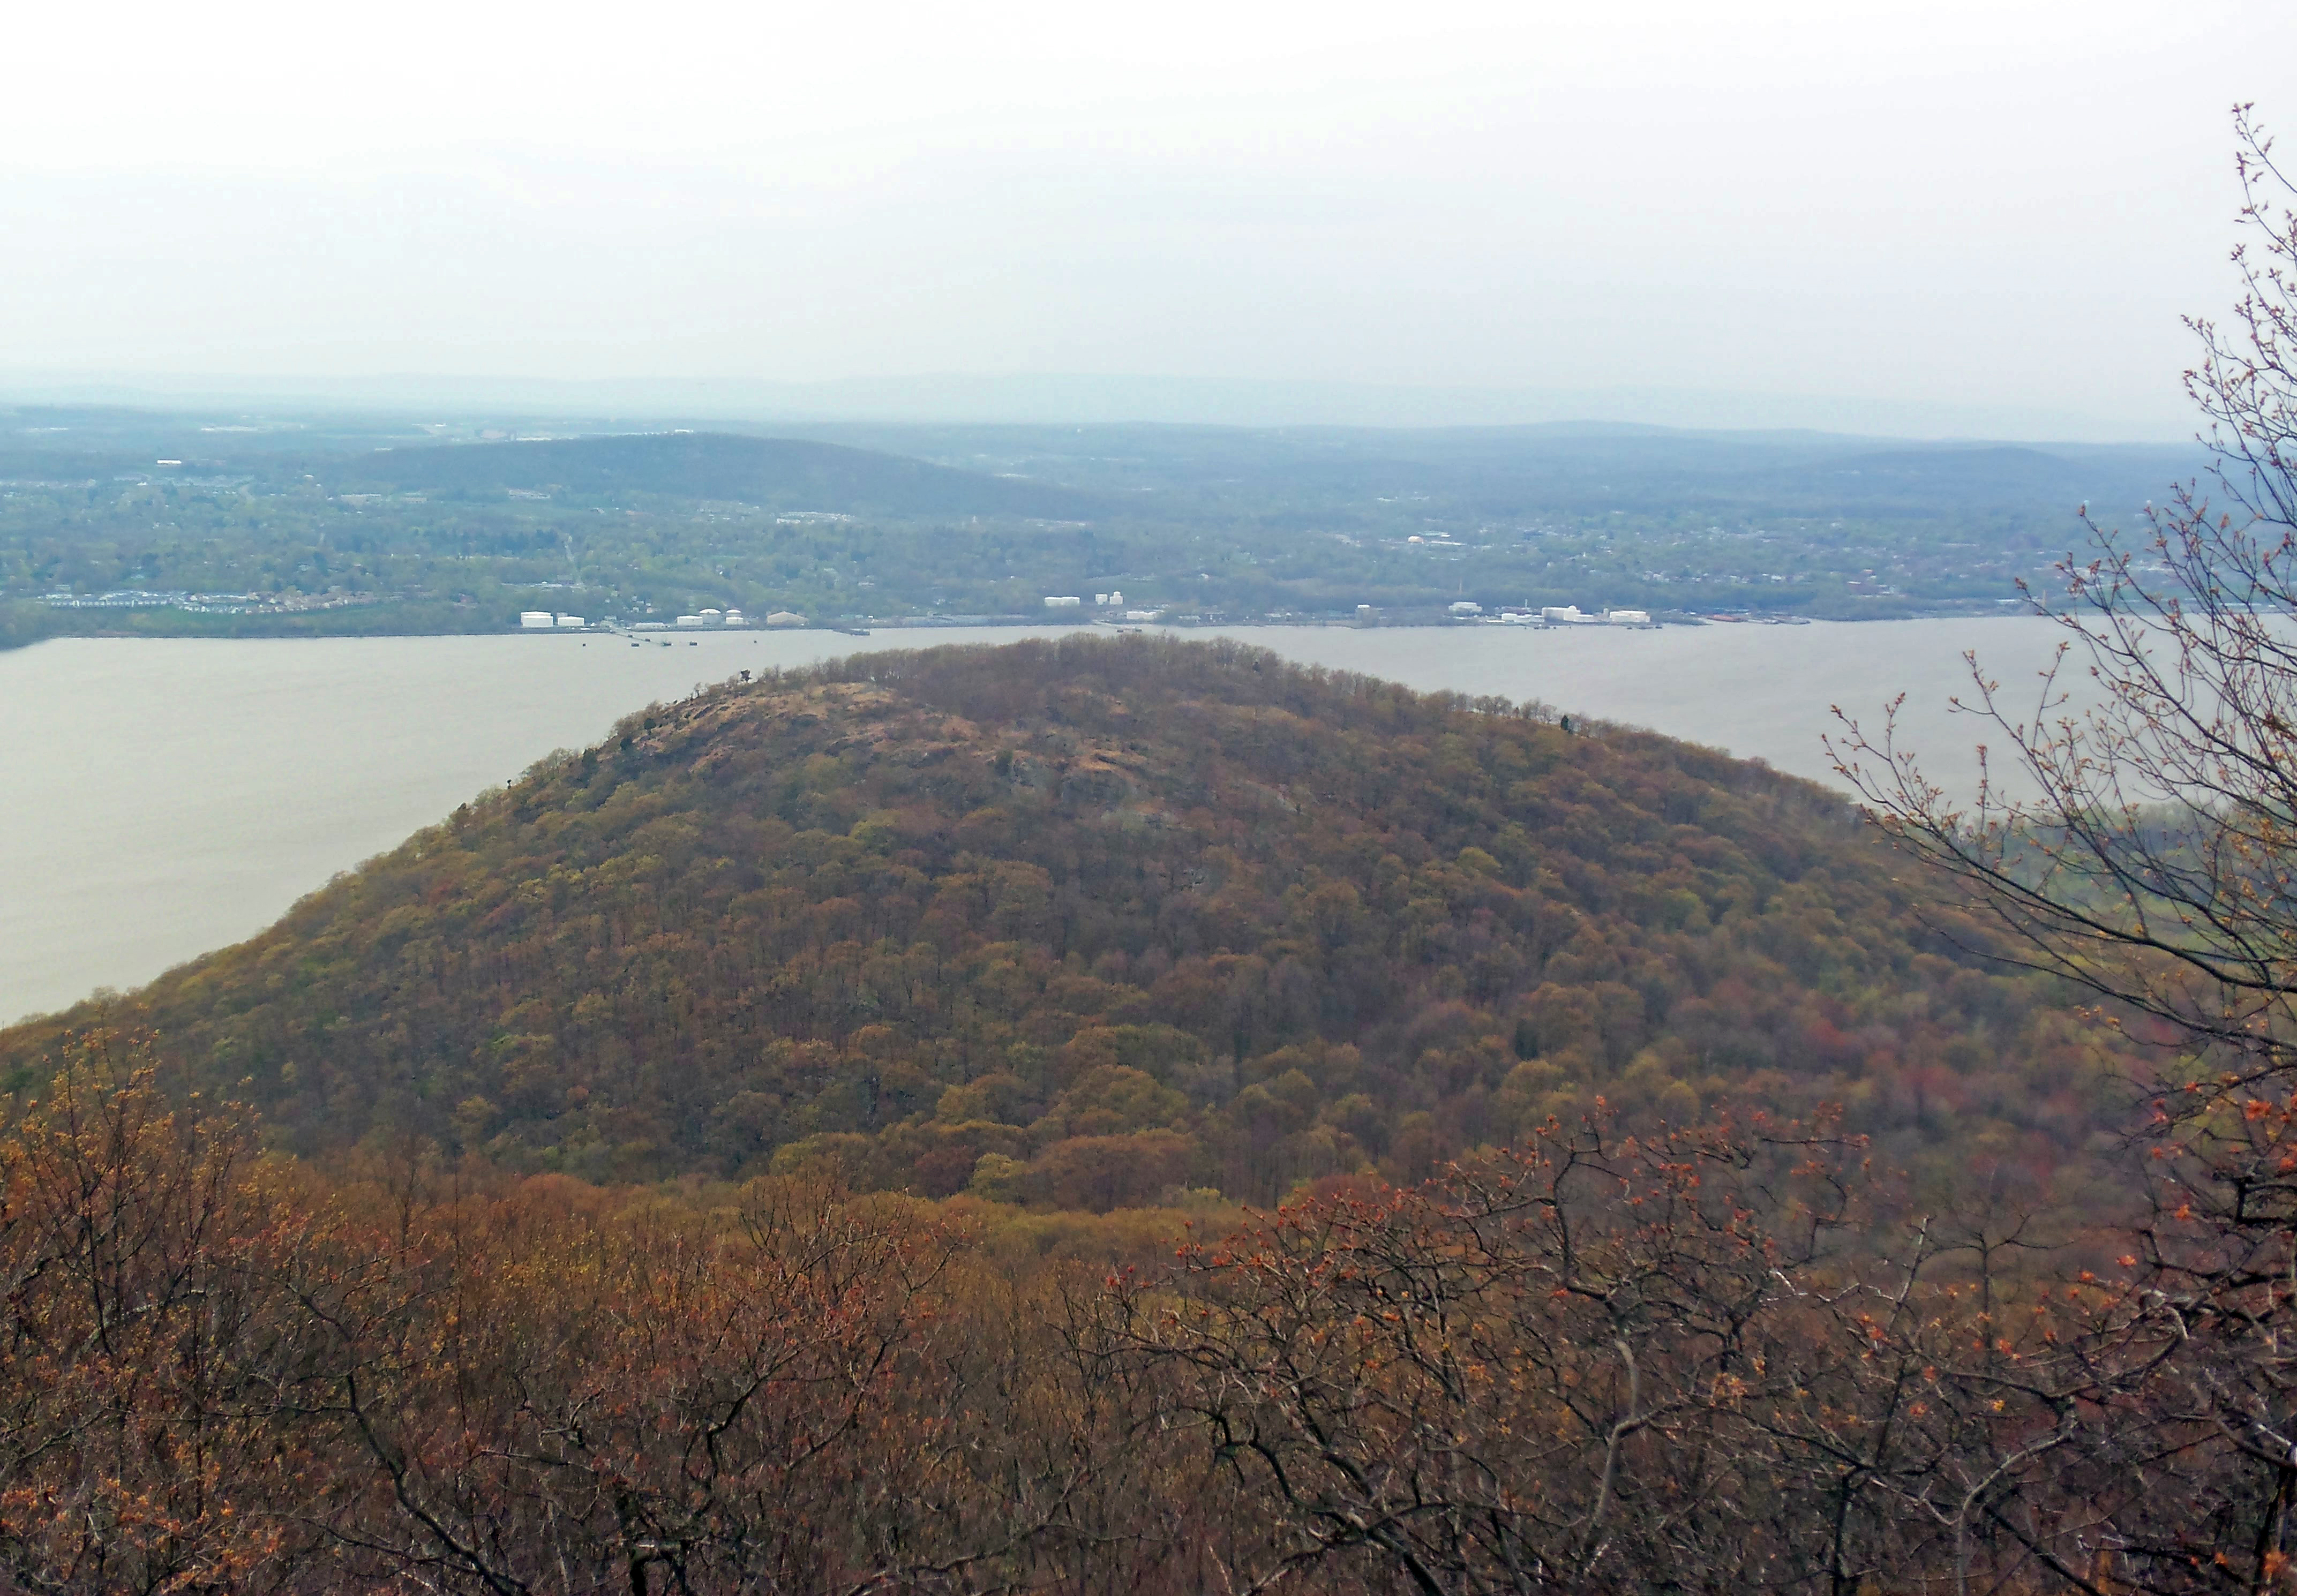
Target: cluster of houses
1103	601
1553	614
1075	601
536	620
1463	610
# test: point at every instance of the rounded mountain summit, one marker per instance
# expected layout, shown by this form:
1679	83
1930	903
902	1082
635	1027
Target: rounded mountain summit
1099	922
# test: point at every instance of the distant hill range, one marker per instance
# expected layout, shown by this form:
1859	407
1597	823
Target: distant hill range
1567	468
1107	400
778	472
1945	479
912	470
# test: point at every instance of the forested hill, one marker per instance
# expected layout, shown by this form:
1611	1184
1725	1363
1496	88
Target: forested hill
1082	922
777	472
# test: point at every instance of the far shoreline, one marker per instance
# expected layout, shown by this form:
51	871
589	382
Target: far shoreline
871	625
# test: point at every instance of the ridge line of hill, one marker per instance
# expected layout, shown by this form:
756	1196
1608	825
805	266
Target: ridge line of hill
1089	923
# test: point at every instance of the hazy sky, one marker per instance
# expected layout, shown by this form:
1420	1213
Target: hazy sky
2001	206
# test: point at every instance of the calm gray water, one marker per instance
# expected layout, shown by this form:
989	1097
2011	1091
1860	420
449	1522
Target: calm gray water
164	798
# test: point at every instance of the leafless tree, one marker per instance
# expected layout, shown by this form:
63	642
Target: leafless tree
2134	833
2134	826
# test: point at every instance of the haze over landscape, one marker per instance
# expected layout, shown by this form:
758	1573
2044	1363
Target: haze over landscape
1909	219
1034	802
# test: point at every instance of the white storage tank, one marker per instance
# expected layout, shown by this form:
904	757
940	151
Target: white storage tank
689	620
536	620
572	622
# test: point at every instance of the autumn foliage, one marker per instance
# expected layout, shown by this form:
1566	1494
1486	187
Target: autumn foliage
1127	1117
1097	924
1693	1360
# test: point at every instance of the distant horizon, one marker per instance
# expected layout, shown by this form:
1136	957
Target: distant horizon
1059	399
1944	221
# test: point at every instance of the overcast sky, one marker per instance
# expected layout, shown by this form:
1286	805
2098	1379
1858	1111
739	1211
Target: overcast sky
1971	210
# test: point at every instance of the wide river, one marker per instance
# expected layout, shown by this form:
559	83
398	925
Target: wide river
164	798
